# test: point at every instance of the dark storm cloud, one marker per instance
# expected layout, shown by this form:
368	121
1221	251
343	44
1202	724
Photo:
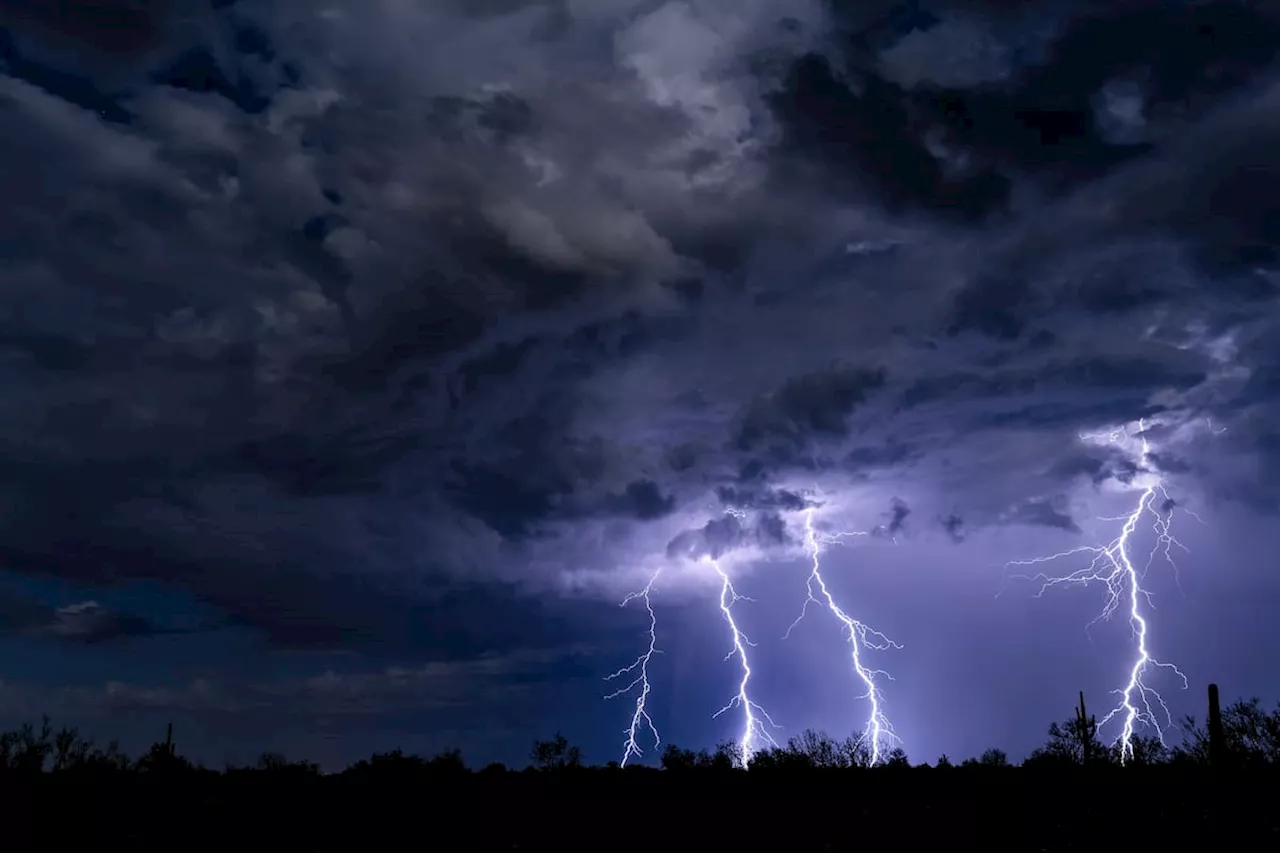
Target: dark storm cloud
714	539
467	682
755	496
82	622
954	527
1099	465
1044	512
825	118
113	26
814	404
307	319
642	499
896	521
895	109
1168	463
765	531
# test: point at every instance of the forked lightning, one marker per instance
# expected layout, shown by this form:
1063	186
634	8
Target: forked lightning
638	672
877	732
757	725
755	719
1112	566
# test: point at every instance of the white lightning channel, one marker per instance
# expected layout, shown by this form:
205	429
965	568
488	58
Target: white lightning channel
1111	566
877	732
755	719
638	685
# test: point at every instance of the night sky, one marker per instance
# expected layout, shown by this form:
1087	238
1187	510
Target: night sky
360	356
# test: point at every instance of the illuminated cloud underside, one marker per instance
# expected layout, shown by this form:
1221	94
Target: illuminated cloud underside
1140	703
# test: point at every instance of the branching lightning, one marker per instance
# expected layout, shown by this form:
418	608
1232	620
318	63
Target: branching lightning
638	672
1111	566
878	731
755	719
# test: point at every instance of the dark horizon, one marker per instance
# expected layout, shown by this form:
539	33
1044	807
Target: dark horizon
1236	735
1246	730
1207	789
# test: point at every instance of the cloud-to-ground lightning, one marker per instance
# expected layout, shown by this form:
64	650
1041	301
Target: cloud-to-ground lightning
638	672
1112	566
877	731
755	719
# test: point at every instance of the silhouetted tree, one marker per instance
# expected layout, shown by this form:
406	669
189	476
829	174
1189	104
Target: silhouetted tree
107	758
897	759
994	758
1074	742
163	757
819	749
27	750
780	759
388	765
555	754
157	759
856	751
399	766
146	795
269	761
70	750
274	762
450	763
1147	750
726	756
1250	736
813	749
675	758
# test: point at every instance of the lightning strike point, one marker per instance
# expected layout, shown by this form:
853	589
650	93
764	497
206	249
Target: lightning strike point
638	672
1111	566
755	719
877	731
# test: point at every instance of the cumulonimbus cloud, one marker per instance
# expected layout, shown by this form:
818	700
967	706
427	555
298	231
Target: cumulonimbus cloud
547	299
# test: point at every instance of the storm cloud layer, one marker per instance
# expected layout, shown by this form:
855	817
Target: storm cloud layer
312	304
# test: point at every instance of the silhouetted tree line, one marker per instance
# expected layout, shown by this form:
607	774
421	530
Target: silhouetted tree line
57	771
1243	735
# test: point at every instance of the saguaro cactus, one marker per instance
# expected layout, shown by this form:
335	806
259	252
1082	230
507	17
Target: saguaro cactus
1086	732
1217	741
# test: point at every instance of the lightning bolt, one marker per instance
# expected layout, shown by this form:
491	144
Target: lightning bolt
1112	567
755	732
638	672
877	731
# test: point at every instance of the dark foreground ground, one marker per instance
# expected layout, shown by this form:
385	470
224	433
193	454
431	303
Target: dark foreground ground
600	811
